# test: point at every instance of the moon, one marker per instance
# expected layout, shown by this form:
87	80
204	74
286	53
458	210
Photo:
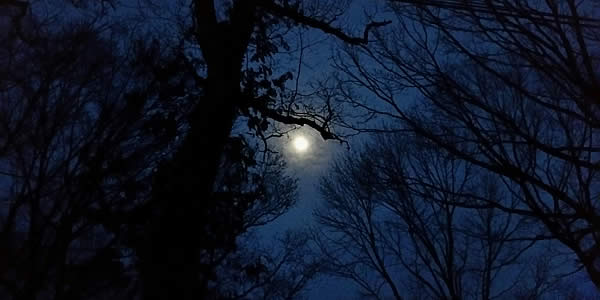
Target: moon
301	144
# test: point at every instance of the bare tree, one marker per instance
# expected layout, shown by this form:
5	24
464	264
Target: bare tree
120	170
396	222
279	271
84	122
508	86
236	41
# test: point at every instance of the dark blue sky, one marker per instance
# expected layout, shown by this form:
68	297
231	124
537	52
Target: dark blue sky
311	165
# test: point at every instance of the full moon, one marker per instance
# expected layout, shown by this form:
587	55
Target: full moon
300	144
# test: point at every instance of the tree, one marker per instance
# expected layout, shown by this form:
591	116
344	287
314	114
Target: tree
85	124
184	186
395	223
86	121
280	271
78	143
121	162
507	86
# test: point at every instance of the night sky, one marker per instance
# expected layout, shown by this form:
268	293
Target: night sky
396	110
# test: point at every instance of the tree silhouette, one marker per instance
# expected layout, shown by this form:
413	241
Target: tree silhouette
77	150
507	86
395	222
184	186
120	172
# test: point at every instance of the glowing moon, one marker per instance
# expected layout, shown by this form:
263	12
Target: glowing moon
301	144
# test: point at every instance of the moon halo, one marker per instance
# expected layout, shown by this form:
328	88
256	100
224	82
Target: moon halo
300	144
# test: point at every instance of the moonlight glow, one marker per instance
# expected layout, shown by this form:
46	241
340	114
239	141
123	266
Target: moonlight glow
300	144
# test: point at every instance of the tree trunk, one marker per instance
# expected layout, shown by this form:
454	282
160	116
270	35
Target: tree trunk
171	263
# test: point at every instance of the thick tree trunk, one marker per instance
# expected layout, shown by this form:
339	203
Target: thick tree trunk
172	262
183	195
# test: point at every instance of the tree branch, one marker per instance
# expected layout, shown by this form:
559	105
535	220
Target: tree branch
291	120
299	17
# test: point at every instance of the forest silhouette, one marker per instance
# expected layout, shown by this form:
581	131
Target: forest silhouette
124	173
